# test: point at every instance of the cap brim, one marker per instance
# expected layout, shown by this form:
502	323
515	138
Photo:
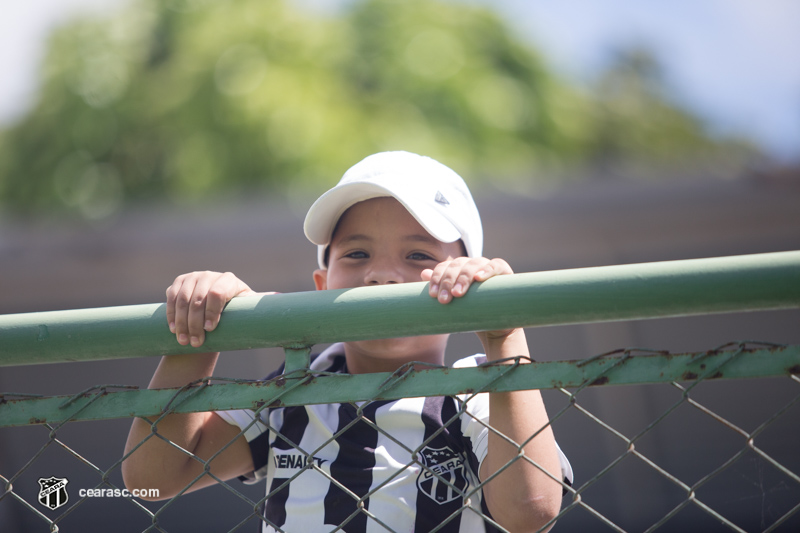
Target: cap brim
326	211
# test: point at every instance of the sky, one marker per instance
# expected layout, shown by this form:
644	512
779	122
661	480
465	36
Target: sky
735	63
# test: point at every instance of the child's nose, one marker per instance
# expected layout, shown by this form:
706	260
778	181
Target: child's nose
383	273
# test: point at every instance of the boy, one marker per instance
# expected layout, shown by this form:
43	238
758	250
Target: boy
395	217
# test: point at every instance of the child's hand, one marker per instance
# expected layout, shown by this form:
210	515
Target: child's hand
451	279
195	302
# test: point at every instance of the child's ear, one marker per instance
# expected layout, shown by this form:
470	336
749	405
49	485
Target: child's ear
321	279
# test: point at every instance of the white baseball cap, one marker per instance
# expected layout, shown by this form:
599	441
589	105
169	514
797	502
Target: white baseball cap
433	193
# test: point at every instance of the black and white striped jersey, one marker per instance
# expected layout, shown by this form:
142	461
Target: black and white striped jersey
402	465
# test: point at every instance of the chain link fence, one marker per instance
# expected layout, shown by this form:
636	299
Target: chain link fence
739	401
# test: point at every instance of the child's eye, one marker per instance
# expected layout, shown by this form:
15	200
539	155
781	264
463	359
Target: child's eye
419	256
356	255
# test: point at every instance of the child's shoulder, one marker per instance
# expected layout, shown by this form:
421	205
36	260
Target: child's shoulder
471	361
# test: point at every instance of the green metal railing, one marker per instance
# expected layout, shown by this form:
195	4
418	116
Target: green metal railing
651	290
98	403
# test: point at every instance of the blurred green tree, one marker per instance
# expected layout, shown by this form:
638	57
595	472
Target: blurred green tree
188	99
639	131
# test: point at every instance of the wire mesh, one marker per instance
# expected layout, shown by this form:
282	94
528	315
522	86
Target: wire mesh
655	463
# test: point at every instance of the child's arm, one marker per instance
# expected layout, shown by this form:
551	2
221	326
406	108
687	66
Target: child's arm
522	497
194	305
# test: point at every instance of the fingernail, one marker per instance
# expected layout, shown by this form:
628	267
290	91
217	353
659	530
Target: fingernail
208	325
444	296
172	327
183	339
434	289
458	288
480	274
195	342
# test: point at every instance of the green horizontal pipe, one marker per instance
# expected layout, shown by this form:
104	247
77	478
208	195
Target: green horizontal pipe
598	294
107	403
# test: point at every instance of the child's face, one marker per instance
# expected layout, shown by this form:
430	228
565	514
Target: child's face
379	242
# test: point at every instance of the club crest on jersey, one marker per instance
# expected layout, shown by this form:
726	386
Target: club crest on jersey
443	479
53	492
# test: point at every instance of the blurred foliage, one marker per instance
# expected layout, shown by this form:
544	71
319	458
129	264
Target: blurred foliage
638	131
189	99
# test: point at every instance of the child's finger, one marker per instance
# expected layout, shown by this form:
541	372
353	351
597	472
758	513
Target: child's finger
473	270
492	268
172	293
485	272
196	312
462	281
182	298
452	279
435	278
224	288
215	302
